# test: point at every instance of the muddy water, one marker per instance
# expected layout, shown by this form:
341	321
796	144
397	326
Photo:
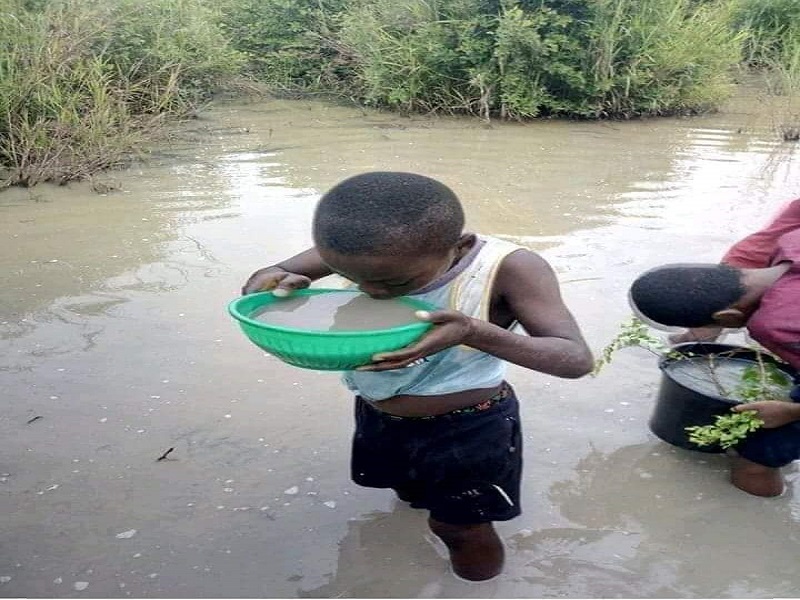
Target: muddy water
337	312
723	377
114	333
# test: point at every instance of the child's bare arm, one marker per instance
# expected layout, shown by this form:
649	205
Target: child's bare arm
529	288
554	343
293	273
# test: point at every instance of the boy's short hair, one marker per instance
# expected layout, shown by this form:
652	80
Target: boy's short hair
387	212
686	295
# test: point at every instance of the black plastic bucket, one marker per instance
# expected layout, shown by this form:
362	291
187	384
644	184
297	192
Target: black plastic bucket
679	406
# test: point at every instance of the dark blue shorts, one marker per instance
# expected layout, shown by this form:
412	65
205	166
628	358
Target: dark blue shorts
464	468
773	447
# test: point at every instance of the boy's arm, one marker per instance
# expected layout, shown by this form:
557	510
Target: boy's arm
554	344
293	273
528	286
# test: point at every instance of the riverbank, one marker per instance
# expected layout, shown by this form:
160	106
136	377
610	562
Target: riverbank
85	85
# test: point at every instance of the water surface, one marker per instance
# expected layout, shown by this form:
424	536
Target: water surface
113	330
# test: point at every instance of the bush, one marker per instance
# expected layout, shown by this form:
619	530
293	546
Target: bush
82	82
773	28
522	59
288	43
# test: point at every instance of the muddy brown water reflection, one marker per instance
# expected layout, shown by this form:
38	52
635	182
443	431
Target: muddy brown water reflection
114	331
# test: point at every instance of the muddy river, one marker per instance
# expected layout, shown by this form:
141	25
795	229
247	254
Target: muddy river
116	347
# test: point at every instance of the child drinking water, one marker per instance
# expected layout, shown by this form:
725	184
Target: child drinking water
436	421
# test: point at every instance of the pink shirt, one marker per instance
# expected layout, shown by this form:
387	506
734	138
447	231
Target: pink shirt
756	250
776	323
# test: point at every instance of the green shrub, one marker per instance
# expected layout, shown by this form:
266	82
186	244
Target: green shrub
522	59
83	82
288	43
656	57
772	27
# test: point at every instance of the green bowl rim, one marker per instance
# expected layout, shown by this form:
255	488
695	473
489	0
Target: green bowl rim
234	312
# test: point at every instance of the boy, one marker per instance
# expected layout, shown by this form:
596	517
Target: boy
766	300
752	252
436	421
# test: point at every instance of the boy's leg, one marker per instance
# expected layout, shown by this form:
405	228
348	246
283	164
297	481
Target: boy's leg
472	471
756	479
756	463
476	551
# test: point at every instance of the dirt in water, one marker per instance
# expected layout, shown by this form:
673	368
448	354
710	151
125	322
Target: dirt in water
116	347
339	311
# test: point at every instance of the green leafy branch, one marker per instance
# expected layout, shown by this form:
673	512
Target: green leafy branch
633	333
726	431
761	381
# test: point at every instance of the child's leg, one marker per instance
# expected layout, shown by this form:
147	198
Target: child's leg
756	479
473	470
756	463
476	551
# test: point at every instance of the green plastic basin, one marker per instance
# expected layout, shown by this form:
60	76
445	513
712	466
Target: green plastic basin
322	350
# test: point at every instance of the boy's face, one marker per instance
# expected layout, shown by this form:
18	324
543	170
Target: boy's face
388	276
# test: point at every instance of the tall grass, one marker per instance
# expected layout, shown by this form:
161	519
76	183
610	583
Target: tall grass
782	76
657	57
598	58
84	82
773	46
772	27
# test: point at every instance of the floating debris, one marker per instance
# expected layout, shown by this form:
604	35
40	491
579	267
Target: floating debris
292	491
126	535
34	419
166	454
5	579
58	581
80	585
330	504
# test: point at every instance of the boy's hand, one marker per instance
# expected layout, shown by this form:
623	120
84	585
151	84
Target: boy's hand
774	413
451	328
273	278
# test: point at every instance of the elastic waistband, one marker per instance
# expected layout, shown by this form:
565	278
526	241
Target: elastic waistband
504	393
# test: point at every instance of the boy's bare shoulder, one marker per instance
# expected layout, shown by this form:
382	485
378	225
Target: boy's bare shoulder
522	270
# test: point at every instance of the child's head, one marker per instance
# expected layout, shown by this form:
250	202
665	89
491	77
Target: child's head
687	295
391	233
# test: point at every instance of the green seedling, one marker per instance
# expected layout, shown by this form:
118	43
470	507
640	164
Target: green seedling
761	381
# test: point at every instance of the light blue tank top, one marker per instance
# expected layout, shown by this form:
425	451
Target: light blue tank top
466	287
